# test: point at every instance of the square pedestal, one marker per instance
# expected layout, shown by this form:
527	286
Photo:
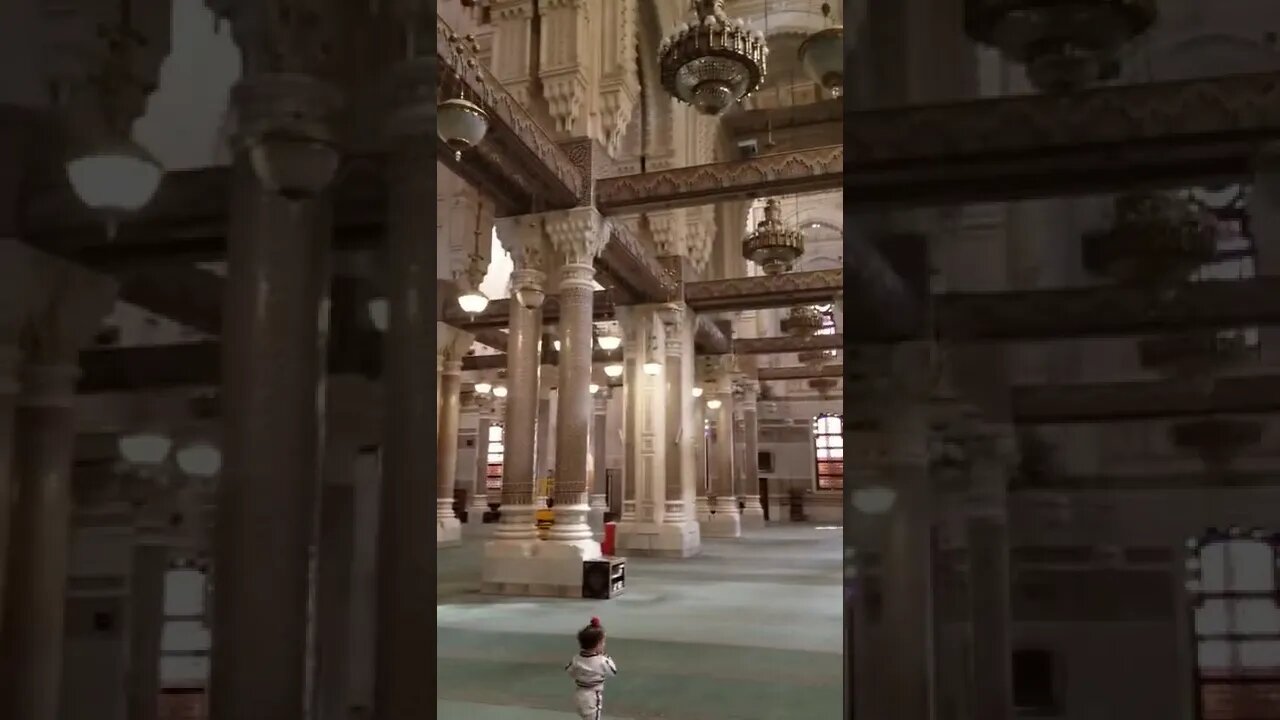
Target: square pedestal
753	518
448	532
722	525
660	539
536	568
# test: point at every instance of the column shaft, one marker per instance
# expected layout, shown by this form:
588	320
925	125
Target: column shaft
8	398
43	445
146	626
599	446
700	449
989	590
632	397
277	284
675	428
752	511
724	452
479	488
545	440
333	594
573	407
406	549
447	445
518	459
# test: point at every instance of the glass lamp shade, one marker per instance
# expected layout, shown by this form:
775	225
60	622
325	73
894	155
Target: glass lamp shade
822	57
556	344
122	177
294	166
593	388
200	460
714	404
145	448
697	392
614	370
483	388
378	313
874	500
500	391
461	125
473	302
652	367
609	342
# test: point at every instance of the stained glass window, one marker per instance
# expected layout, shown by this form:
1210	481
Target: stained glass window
828	447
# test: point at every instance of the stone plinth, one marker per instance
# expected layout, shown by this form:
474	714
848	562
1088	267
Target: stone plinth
752	513
682	539
535	568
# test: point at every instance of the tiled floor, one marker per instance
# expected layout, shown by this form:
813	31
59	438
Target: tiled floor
749	630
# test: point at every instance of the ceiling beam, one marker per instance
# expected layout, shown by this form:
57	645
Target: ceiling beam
802	171
786	344
800	372
1105	311
777	119
1076	403
1028	146
768	291
517	164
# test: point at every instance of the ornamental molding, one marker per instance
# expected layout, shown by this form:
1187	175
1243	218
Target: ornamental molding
756	293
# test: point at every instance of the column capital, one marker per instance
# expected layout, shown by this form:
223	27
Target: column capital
413	99
577	235
668	230
70	310
452	344
291	103
524	236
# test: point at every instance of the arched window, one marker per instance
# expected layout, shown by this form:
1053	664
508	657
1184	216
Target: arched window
828	450
184	643
1235	256
493	463
1237	625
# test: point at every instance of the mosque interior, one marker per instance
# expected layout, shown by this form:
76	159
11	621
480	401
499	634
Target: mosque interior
1035	306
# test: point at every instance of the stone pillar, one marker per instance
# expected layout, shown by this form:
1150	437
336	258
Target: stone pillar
680	534
632	399
726	517
9	374
989	576
277	285
508	567
406	555
353	424
43	448
480	489
702	507
752	511
578	236
150	568
907	660
453	344
363	630
645	431
599	498
544	445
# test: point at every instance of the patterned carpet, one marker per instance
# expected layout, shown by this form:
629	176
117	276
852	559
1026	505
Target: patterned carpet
750	630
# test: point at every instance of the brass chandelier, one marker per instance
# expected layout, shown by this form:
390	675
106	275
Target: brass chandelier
802	321
772	245
1156	239
712	61
460	123
1064	44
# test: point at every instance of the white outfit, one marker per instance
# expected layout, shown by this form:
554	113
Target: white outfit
589	670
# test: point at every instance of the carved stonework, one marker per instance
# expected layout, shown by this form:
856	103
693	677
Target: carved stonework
298	104
778	345
509	117
619	79
513	35
452	344
802	171
577	235
524	238
666	227
814	286
565	59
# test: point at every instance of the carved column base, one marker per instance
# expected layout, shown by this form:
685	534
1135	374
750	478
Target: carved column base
570	526
479	506
675	512
679	540
725	520
702	508
448	527
598	506
752	513
516	525
628	511
536	569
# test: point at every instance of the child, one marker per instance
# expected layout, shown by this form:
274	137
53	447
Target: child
589	669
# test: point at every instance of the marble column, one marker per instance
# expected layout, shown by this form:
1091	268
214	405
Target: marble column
275	306
406	553
150	568
545	438
645	430
632	398
362	636
989	575
906	661
578	236
599	495
680	534
726	517
752	511
479	488
702	506
453	345
44	433
9	388
507	566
